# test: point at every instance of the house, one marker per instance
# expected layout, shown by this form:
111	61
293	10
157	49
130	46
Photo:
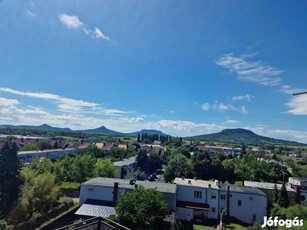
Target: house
103	193
268	188
153	149
200	200
299	184
191	199
296	189
52	154
124	168
106	147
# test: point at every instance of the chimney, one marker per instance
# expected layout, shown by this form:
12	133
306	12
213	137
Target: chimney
228	199
298	194
115	192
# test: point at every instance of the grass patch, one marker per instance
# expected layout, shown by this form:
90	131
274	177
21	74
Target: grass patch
235	226
70	185
201	227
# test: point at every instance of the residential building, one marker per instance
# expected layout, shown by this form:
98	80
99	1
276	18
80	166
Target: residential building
124	168
52	154
201	200
192	199
103	193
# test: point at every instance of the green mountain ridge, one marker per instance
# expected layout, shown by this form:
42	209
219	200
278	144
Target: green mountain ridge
240	136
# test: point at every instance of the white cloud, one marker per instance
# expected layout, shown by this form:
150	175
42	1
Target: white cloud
243	109
69	105
4	102
73	22
99	35
298	105
288	89
31	14
254	71
231	122
221	107
246	97
12	113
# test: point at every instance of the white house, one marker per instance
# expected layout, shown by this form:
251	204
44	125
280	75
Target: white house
200	200
103	193
125	167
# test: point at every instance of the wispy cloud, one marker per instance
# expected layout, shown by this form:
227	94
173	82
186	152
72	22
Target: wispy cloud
221	107
68	105
253	71
31	14
288	89
232	122
4	102
246	97
73	22
298	105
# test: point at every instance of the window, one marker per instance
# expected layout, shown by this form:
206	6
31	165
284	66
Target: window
213	209
213	196
239	203
223	197
197	194
302	198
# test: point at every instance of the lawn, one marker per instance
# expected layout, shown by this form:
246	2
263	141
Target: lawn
235	226
70	185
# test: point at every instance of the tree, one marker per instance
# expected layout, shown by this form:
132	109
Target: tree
37	196
9	176
283	197
141	209
104	168
43	145
175	224
177	167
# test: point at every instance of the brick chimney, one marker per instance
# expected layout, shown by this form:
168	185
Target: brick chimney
115	192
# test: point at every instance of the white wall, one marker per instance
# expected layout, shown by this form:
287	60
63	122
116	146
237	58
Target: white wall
250	204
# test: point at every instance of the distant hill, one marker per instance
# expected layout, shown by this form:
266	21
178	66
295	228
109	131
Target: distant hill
148	131
103	131
239	136
43	127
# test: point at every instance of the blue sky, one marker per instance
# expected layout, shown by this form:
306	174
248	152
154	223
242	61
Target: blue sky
183	67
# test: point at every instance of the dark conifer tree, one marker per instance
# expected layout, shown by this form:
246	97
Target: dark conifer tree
283	197
9	176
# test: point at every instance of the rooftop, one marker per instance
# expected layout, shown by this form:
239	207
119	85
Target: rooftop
195	183
44	151
122	183
242	189
265	185
125	161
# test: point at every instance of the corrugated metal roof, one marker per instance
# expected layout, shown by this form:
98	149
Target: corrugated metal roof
95	210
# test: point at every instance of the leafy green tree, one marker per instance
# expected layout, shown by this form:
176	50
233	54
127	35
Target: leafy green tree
83	167
104	168
229	168
283	200
37	196
178	166
9	176
29	147
141	209
139	175
43	145
175	224
42	165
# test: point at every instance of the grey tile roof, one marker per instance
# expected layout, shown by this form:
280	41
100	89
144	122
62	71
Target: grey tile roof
122	183
242	189
126	161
